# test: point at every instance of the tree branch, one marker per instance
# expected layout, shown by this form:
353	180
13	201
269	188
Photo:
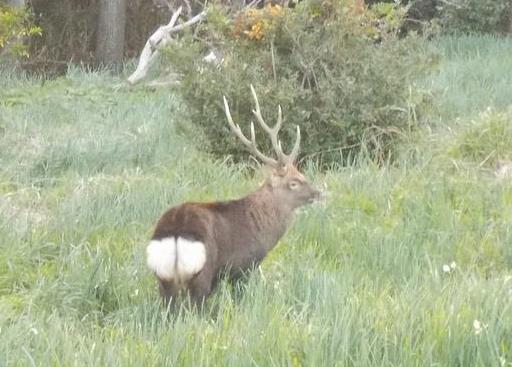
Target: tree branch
159	39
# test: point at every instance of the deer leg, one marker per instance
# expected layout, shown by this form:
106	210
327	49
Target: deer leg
168	291
201	286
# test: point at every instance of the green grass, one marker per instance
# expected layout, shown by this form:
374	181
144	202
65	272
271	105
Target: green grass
474	75
86	169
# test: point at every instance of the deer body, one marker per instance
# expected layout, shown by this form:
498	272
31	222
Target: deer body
194	242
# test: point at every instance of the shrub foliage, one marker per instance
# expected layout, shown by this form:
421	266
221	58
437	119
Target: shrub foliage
477	16
16	25
338	69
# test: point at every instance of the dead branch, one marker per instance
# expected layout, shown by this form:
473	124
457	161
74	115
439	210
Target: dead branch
159	39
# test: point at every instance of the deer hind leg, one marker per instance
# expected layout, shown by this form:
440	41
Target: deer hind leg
201	285
169	292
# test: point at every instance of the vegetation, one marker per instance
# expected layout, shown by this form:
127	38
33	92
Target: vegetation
405	264
16	26
471	79
307	59
480	16
71	26
459	16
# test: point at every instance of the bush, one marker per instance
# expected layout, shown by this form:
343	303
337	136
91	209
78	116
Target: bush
338	70
419	12
477	16
16	25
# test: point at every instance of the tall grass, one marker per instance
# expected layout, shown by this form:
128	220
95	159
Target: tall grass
474	74
408	264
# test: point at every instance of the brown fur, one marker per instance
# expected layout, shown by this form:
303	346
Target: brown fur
237	234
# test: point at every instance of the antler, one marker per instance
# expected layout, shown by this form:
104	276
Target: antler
273	132
251	144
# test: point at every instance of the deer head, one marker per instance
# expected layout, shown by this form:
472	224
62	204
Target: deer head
284	181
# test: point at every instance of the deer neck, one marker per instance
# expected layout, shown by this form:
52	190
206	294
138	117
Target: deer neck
268	216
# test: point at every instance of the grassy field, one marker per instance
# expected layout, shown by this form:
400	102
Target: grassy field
408	264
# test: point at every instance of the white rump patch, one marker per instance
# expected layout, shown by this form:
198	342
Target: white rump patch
161	258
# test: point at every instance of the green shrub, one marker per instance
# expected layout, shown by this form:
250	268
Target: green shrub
16	25
339	71
477	16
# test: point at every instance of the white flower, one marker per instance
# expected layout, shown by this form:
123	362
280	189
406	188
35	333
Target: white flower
211	57
478	327
448	268
34	331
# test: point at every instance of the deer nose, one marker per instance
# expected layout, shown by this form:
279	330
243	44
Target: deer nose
316	195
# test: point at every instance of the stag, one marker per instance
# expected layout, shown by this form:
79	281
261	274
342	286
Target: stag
195	242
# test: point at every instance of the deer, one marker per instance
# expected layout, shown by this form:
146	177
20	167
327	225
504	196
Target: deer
194	243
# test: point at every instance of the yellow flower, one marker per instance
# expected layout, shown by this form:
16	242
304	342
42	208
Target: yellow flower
255	24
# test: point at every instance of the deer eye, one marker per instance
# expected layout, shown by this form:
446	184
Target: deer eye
294	185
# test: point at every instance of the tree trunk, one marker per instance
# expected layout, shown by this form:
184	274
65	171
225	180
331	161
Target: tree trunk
110	31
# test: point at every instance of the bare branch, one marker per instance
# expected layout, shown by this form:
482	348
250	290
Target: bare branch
159	39
189	22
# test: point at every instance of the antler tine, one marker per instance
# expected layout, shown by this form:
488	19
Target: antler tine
251	144
292	157
271	131
274	131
